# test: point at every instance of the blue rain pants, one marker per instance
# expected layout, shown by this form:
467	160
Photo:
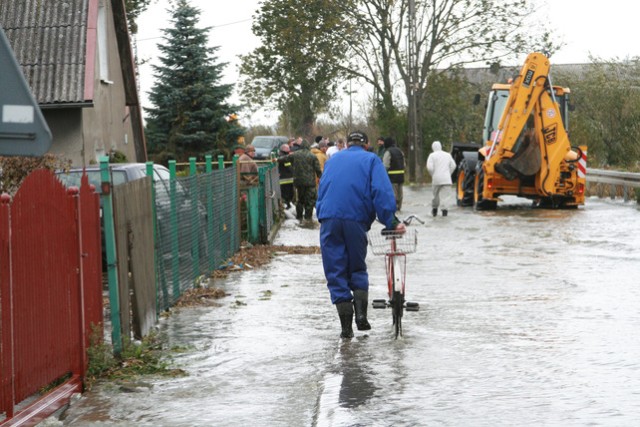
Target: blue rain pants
344	252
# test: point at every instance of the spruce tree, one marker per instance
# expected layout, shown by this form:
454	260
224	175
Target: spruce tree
189	103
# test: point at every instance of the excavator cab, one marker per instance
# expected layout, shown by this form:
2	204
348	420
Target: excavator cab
497	101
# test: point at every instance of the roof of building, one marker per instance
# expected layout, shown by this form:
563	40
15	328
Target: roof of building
49	41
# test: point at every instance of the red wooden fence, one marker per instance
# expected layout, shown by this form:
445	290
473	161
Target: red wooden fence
50	293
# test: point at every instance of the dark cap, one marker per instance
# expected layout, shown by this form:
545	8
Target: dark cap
357	136
239	147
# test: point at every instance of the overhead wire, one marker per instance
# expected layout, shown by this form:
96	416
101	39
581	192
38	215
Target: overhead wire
213	27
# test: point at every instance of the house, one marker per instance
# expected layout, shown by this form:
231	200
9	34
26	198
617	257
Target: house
484	77
77	58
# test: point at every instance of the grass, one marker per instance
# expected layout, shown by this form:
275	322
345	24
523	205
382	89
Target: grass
147	357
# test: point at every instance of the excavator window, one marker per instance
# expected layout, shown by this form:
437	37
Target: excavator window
495	106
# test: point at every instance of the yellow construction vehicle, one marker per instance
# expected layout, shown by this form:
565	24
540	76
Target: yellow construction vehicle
527	152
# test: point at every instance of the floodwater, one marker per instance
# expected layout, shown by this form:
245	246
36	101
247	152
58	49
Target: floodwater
528	317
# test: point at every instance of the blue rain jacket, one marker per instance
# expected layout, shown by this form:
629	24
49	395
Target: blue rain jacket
355	186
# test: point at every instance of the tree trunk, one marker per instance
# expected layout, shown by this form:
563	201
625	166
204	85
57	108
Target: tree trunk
418	154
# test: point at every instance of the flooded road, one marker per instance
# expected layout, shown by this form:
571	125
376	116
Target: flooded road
528	317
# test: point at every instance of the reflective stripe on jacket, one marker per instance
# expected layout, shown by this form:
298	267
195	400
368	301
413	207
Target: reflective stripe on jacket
286	172
396	165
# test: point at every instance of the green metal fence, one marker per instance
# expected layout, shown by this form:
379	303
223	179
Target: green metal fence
196	228
198	221
270	198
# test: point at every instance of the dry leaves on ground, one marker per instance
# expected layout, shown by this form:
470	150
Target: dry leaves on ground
200	296
259	255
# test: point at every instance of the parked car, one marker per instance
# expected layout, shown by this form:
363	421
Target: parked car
265	145
126	172
120	173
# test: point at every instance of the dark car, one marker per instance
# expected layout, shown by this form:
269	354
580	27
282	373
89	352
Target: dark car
265	145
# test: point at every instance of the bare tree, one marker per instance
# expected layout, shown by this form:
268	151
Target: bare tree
414	38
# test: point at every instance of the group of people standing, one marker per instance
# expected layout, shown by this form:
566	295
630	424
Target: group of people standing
298	171
305	177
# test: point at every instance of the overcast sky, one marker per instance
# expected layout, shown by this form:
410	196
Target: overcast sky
605	29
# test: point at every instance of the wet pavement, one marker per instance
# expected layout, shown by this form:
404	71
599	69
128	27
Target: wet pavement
528	317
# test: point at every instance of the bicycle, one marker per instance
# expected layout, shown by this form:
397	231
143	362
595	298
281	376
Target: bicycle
395	246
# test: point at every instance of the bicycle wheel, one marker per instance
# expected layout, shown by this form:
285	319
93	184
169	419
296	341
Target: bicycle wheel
397	304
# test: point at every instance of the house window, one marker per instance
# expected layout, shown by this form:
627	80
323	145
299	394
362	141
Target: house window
103	50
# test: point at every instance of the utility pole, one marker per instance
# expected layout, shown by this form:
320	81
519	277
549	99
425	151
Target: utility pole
350	106
412	69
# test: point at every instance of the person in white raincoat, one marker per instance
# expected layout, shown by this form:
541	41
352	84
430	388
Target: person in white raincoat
440	165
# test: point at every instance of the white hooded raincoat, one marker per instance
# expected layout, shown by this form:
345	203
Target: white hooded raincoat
440	165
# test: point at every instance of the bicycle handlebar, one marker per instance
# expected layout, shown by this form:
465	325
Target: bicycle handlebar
410	218
405	221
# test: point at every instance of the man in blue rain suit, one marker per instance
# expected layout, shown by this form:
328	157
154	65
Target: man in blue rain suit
354	189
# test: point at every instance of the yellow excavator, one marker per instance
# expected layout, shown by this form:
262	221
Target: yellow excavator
527	152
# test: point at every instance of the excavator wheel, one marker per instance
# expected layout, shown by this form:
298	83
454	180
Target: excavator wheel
479	203
465	183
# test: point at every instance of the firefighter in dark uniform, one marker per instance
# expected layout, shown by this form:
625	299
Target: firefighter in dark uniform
286	176
306	168
393	160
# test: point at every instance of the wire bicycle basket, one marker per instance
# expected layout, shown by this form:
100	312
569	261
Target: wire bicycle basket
382	244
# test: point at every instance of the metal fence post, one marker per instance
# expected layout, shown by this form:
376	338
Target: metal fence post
210	219
110	250
195	231
238	215
173	219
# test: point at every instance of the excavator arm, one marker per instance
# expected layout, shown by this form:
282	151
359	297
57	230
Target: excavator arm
554	143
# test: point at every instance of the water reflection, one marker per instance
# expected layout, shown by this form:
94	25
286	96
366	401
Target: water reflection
357	386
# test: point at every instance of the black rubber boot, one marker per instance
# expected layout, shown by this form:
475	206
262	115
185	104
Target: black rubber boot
360	302
434	211
345	312
444	212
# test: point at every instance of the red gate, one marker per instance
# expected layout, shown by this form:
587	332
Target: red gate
50	293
